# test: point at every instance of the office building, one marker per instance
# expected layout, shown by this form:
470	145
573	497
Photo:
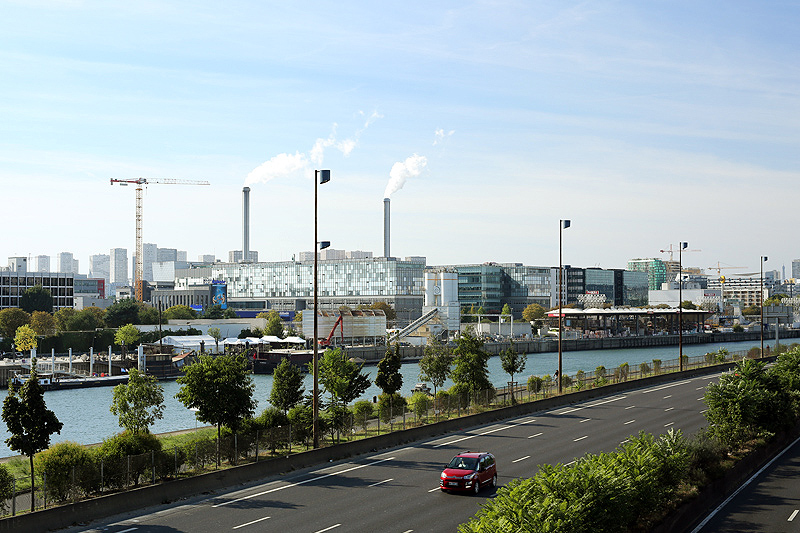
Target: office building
42	263
99	267
118	267
235	256
15	280
655	268
206	258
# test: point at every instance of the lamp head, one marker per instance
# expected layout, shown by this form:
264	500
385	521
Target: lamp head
324	176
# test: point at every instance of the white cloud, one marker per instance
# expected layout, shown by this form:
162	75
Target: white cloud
440	135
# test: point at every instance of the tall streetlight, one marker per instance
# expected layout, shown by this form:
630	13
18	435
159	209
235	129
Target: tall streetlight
681	247
321	176
761	304
562	225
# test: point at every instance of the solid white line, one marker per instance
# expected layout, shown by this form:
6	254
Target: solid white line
521	459
434	490
588	406
668	396
667	386
328	528
250	523
571	463
580	438
700	399
301	483
381	482
699	388
408	531
535	435
703	411
584	420
629	422
126	530
484	433
668	409
746	483
630	407
793	515
668	425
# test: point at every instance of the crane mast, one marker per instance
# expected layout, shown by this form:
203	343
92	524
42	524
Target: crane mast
140	182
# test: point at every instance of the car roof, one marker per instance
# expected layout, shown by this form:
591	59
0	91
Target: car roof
472	454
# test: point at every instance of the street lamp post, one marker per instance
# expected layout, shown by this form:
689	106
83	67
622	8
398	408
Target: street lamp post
761	304
682	246
562	225
321	176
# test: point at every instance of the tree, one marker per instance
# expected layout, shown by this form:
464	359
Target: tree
138	403
470	372
182	312
389	378
298	317
213	312
506	311
775	299
274	324
29	421
87	319
216	334
63	318
11	319
512	363
435	364
148	315
287	386
387	309
340	377
533	312
25	338
122	312
220	389
36	298
751	310
229	313
126	336
688	304
43	323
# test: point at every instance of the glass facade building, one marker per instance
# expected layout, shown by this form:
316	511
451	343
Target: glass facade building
14	284
655	268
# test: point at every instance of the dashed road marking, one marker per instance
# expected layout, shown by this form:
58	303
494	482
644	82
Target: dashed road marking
580	438
630	407
434	490
629	422
521	459
535	435
381	482
668	409
334	526
791	517
584	420
667	386
668	425
668	396
250	523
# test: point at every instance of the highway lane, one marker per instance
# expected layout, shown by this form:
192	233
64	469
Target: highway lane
769	502
397	490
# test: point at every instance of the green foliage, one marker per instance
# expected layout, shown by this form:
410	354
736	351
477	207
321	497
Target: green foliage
43	323
11	319
229	313
342	379
390	406
287	386
688	304
183	312
388	378
148	314
6	488
25	338
58	462
656	366
127	443
274	324
127	336
471	371
420	404
301	417
603	493
363	410
737	328
533	312
435	364
387	309
600	376
36	298
506	311
139	402
213	312
121	312
30	423
624	370
644	369
534	384
512	362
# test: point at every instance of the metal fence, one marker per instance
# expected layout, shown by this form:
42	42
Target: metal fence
202	452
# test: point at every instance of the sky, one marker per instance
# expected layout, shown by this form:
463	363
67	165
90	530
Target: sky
644	123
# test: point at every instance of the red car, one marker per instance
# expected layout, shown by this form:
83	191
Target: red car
469	471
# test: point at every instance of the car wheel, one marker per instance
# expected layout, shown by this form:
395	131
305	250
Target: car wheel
476	488
494	481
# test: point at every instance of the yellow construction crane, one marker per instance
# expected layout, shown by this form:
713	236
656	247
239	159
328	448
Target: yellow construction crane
139	182
719	268
670	251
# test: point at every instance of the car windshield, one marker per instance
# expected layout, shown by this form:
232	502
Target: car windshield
463	463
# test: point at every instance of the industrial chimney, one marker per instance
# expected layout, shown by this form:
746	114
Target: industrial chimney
246	225
385	227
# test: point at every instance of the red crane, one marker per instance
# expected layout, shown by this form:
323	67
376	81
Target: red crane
340	324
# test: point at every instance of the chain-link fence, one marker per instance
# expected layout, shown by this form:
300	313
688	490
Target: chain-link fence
204	452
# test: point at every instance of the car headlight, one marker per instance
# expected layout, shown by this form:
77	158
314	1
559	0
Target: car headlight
470	476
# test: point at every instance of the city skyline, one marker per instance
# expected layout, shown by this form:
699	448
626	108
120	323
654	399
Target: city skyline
645	125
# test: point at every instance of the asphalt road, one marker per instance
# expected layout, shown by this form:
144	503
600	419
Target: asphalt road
397	490
770	502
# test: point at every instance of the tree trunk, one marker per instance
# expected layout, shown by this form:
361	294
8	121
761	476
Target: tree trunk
33	488
219	433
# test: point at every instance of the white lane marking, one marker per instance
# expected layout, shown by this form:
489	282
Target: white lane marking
381	482
334	526
584	420
700	399
521	459
630	407
711	377
587	406
126	530
580	438
713	513
434	490
699	388
251	523
571	463
667	386
668	425
791	517
668	409
487	432
301	483
629	422
535	435
408	531
624	442
668	396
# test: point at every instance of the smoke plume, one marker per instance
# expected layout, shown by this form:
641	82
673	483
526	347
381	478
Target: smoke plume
411	167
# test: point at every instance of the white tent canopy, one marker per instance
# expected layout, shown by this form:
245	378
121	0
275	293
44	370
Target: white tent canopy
294	340
191	342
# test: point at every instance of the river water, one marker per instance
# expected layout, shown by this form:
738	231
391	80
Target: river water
87	418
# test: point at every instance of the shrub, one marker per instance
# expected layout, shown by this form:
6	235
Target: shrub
6	488
442	401
534	384
420	403
302	420
737	328
600	375
624	370
656	366
644	369
566	381
363	411
120	471
390	406
754	353
60	462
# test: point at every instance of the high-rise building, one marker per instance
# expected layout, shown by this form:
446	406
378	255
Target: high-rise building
118	267
42	263
235	256
167	254
100	267
182	256
67	263
796	268
206	258
655	268
149	256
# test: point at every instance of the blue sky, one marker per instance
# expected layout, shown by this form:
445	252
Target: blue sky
645	123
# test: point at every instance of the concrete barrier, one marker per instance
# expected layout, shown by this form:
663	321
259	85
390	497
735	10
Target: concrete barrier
117	503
